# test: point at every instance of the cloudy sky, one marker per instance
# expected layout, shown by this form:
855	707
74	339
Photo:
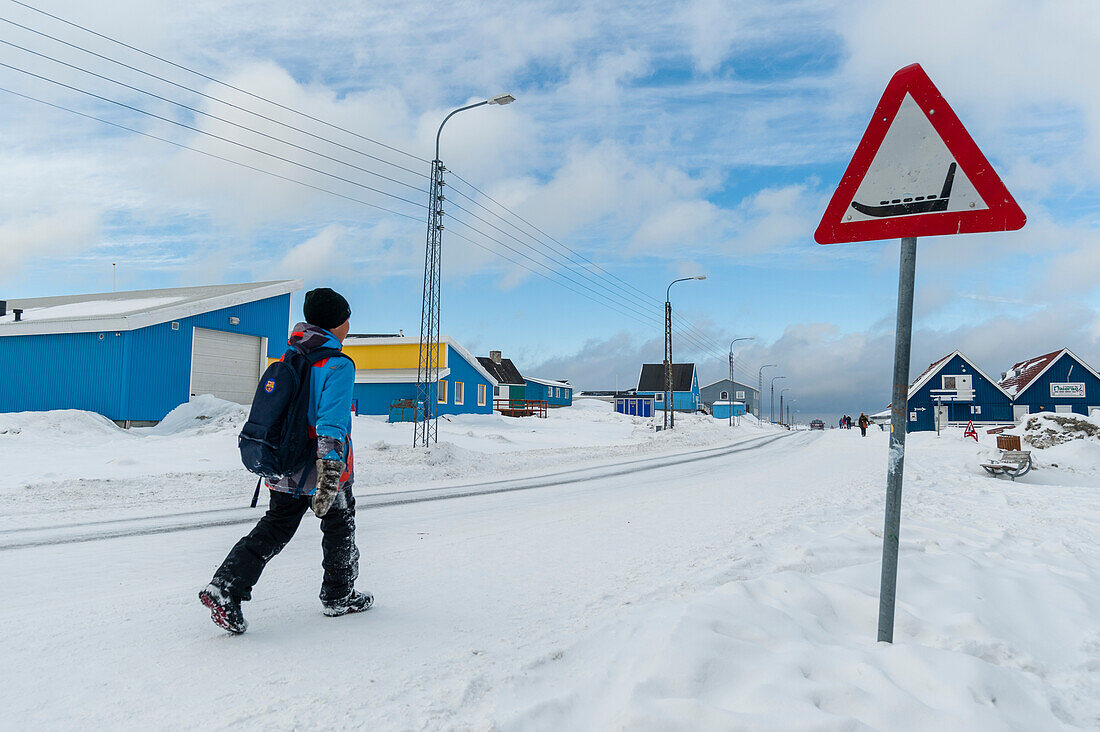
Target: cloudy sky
649	141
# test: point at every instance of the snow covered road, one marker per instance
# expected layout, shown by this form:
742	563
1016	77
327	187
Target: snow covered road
736	592
82	531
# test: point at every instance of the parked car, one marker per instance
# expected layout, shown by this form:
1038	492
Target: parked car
817	424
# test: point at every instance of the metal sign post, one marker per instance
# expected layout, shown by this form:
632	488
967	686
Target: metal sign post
916	172
899	413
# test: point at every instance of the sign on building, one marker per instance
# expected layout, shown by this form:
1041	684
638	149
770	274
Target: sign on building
1073	391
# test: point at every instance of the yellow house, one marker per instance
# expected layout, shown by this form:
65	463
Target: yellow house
386	372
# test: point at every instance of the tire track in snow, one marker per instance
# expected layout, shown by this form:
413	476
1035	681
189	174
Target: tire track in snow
171	523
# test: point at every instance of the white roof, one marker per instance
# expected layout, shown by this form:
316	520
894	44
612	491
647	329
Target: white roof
392	376
406	340
726	404
133	309
548	382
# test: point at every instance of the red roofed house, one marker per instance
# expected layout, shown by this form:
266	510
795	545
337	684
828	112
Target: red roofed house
1055	382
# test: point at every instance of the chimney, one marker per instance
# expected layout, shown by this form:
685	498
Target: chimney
1004	375
18	314
494	356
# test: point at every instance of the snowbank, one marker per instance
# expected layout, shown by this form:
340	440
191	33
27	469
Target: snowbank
1047	429
997	626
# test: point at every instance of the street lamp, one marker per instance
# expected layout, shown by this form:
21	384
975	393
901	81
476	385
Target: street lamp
750	338
781	402
426	429
771	409
670	416
760	387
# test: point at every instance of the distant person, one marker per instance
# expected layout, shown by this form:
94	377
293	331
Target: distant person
323	484
840	423
864	423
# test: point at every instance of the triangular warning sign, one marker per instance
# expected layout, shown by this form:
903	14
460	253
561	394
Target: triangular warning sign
916	172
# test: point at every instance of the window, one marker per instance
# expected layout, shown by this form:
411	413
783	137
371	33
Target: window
496	391
659	396
725	395
949	382
460	392
481	395
740	396
441	392
975	409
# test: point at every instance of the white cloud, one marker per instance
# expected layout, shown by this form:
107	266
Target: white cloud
48	235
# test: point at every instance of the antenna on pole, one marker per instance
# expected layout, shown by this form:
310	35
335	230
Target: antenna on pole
113	279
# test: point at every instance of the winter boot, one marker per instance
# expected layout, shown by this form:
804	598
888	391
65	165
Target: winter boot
225	610
355	602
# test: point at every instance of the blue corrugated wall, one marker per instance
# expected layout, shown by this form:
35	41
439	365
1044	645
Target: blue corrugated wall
138	375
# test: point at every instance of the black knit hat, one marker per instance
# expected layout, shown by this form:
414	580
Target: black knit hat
326	308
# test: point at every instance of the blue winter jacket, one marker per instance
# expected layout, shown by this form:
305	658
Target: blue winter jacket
331	383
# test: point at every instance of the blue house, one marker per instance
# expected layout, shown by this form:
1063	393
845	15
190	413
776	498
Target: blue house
386	377
135	356
685	386
1055	382
554	393
954	391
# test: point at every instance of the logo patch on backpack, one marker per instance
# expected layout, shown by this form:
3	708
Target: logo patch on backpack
269	386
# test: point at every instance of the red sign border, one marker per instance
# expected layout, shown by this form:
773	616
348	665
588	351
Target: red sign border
1003	214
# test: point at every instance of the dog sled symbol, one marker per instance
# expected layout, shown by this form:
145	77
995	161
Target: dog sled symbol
912	204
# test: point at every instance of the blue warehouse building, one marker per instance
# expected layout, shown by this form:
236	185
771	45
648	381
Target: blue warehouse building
953	390
1054	382
554	393
685	386
134	356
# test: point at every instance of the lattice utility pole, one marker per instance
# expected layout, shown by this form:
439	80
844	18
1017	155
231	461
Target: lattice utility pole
426	430
668	365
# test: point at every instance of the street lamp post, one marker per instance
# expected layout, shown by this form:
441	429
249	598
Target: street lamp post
781	402
760	388
771	409
426	429
750	338
670	414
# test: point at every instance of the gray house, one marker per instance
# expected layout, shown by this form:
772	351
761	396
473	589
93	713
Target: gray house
725	390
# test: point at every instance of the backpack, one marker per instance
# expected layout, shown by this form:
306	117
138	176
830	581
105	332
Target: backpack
275	441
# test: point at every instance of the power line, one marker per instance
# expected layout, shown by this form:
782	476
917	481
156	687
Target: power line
201	94
646	299
209	154
208	114
204	132
215	80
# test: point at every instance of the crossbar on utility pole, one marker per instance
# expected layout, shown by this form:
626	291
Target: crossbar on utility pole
899	406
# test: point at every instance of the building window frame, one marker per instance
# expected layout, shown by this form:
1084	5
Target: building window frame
481	395
441	392
460	393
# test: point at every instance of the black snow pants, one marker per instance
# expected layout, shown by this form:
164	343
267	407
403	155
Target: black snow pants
241	569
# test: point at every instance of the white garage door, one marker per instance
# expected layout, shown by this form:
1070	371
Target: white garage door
226	365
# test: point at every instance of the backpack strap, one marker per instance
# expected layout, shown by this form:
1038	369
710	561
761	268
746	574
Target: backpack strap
256	495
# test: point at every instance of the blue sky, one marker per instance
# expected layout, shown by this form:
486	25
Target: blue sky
657	139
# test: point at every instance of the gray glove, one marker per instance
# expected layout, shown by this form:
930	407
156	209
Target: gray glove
328	483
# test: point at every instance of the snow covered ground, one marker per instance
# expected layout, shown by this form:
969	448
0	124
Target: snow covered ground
190	460
733	592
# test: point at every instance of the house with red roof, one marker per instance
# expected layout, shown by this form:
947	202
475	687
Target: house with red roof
1058	381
